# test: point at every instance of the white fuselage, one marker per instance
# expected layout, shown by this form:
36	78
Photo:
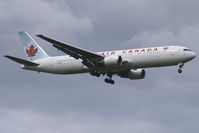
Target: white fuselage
133	59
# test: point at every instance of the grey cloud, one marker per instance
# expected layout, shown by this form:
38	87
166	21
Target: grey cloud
112	17
186	35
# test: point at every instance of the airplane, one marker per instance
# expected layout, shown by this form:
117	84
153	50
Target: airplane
128	63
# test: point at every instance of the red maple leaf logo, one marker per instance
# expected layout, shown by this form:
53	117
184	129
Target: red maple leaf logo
31	51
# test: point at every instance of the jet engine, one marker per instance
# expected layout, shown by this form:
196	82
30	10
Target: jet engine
133	74
112	61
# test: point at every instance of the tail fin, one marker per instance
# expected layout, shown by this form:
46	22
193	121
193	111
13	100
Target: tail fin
32	50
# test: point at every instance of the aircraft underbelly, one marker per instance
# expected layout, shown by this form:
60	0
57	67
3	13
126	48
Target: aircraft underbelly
66	68
145	61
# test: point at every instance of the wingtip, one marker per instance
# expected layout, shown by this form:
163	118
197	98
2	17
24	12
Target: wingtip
6	56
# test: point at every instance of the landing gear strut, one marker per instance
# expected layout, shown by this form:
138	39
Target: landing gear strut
180	67
109	80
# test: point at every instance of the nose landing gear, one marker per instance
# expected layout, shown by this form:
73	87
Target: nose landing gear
179	70
180	67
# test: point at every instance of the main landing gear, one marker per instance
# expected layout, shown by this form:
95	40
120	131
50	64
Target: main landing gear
180	67
95	73
109	80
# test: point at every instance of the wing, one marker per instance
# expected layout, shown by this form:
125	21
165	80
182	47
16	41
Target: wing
89	59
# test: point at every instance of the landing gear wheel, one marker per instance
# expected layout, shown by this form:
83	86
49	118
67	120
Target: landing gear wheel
112	82
107	80
179	71
98	75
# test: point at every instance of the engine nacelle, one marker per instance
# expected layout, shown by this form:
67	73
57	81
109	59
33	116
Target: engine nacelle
134	74
112	60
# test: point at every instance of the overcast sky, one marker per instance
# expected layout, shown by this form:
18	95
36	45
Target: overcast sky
164	101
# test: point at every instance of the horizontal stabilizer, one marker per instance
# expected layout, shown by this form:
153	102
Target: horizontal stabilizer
21	61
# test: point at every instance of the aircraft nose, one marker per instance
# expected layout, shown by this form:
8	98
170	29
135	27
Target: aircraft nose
190	55
193	55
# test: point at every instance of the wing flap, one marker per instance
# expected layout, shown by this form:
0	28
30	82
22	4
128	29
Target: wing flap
21	61
69	52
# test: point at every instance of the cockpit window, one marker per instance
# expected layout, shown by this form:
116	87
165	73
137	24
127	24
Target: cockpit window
187	49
